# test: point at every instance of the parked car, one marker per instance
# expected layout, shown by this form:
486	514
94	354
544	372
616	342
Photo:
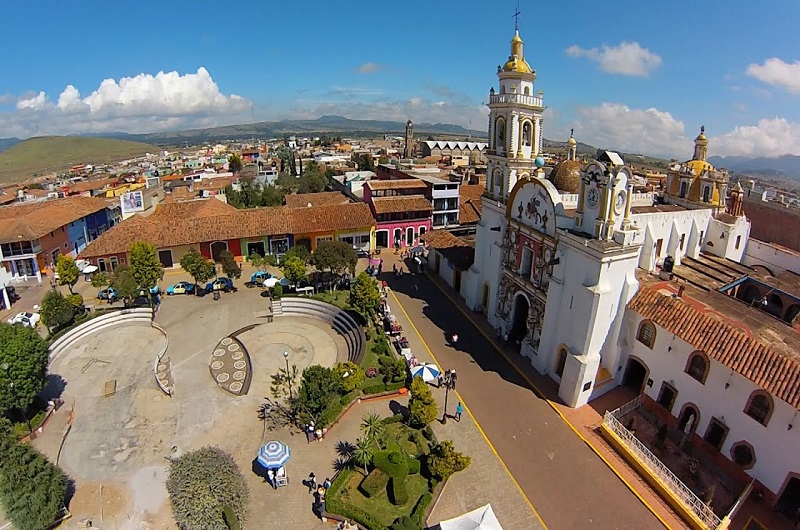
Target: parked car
259	277
139	301
181	288
108	294
12	296
220	284
29	320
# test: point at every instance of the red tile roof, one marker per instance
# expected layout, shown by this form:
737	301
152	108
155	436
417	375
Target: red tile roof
316	199
453	248
203	220
30	221
401	203
720	340
469	203
395	184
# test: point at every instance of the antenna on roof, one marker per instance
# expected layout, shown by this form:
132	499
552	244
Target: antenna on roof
516	18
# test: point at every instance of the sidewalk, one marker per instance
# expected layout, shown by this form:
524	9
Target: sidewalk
584	421
486	480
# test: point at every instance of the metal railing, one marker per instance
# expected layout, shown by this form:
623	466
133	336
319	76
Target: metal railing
680	490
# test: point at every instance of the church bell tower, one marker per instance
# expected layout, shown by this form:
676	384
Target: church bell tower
515	124
408	151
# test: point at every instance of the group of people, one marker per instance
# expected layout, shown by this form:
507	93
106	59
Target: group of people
314	433
449	378
319	491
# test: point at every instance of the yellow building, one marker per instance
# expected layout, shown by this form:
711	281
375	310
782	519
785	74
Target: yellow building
696	183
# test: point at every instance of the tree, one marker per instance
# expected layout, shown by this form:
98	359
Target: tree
32	489
383	159
372	427
272	196
229	265
198	267
284	385
145	267
23	366
392	368
312	180
100	280
299	251
319	386
364	295
350	375
234	163
295	270
201	484
124	283
337	256
55	310
366	163
362	453
444	460
68	272
421	406
257	261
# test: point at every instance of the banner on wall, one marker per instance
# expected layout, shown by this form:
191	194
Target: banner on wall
132	202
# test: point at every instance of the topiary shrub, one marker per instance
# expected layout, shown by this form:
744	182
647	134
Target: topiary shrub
374	483
405	523
413	465
230	519
374	388
277	292
75	300
418	514
393	463
330	413
200	483
444	460
349	397
398	494
396	418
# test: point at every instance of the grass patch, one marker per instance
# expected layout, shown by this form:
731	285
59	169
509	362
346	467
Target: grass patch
340	299
401	435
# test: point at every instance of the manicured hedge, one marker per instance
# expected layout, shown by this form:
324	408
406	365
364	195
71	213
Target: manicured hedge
349	397
397	418
413	465
348	511
406	523
393	463
331	412
374	483
418	513
380	386
399	494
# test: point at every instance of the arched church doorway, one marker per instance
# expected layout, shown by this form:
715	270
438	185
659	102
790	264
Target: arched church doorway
519	319
217	248
789	501
689	418
635	375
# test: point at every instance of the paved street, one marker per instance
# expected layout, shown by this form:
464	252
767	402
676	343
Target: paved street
566	482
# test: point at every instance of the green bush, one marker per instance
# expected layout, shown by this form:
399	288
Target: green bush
418	514
277	291
348	511
230	518
406	523
330	413
423	447
397	418
374	388
444	460
374	483
395	386
349	397
398	493
427	432
75	300
391	462
413	465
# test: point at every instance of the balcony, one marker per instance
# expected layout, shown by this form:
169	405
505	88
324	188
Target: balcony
516	99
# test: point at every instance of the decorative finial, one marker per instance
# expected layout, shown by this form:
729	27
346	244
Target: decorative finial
702	129
516	18
571	133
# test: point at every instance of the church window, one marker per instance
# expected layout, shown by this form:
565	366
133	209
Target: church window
697	366
502	89
716	433
759	407
683	190
683	240
743	454
526	263
706	193
527	91
738	241
561	361
526	133
659	244
647	333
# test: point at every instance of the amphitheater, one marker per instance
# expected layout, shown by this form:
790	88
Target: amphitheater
145	389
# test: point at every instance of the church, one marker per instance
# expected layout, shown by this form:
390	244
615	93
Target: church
556	258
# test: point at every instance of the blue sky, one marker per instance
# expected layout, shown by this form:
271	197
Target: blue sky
634	76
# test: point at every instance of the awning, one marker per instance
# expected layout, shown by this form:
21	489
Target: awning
89	269
481	519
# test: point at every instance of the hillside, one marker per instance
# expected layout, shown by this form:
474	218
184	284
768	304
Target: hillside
36	156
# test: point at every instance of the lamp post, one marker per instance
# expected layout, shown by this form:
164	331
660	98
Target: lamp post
288	379
447	386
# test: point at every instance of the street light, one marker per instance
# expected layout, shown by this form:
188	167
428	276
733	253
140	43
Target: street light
447	386
288	379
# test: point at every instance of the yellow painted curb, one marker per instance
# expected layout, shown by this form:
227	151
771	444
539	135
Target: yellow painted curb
478	425
541	395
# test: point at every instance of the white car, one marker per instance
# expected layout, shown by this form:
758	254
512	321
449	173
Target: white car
30	320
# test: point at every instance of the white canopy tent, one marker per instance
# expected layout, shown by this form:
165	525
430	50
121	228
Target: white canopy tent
481	519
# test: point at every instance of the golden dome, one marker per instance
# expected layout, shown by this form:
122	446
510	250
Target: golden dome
516	61
566	176
572	141
702	136
699	166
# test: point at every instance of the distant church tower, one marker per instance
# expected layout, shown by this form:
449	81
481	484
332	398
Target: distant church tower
701	145
515	125
408	152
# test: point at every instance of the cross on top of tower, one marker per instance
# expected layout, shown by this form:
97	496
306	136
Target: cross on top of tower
516	17
571	133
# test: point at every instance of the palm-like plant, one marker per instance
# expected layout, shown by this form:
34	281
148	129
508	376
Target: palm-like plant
362	454
373	428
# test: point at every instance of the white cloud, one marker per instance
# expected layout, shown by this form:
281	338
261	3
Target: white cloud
35	102
626	59
770	138
777	73
143	103
618	127
369	68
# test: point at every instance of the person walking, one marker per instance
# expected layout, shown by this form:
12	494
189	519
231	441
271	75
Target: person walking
312	482
453	378
380	266
394	268
439	381
454	339
459	411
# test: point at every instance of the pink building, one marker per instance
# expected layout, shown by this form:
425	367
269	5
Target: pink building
401	210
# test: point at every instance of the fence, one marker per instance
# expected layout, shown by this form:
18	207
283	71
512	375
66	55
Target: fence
681	491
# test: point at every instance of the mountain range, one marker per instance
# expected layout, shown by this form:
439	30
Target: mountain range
788	165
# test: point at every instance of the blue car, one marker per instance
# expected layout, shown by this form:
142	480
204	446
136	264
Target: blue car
180	288
259	277
107	294
220	284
